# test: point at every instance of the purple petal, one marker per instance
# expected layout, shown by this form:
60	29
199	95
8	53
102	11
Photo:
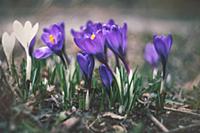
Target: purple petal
114	39
45	38
124	39
31	46
81	43
47	30
150	55
62	27
168	41
42	53
160	47
55	30
76	34
99	42
111	22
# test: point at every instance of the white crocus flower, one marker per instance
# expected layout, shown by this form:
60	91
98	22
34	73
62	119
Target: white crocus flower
24	35
8	43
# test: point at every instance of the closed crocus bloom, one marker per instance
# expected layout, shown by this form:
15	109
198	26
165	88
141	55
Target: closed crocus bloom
106	76
116	37
90	40
163	46
86	63
151	55
53	37
8	43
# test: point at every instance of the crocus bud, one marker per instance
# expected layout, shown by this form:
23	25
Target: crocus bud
86	63
116	37
106	76
163	45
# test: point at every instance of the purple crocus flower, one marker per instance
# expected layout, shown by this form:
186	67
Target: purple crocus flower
53	37
106	76
116	37
86	63
163	46
151	55
91	40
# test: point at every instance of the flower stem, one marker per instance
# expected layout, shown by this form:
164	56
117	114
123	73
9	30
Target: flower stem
63	60
66	57
117	62
28	66
161	86
126	65
155	72
162	95
87	98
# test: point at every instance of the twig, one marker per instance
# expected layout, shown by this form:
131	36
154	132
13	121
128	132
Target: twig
182	129
182	111
93	123
158	123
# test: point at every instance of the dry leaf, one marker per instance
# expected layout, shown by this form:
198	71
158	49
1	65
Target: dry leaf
113	116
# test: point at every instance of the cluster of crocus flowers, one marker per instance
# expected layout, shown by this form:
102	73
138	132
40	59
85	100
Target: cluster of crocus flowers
95	38
53	37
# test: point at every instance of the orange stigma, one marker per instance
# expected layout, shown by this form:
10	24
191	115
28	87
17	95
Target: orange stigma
92	37
51	39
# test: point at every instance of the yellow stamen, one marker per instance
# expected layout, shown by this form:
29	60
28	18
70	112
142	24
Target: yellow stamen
92	37
51	39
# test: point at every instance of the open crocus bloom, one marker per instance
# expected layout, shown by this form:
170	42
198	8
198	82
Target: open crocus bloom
53	37
151	55
163	46
91	40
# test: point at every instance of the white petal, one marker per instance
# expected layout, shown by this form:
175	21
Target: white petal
19	32
8	43
33	32
25	34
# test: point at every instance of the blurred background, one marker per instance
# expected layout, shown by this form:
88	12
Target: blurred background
144	18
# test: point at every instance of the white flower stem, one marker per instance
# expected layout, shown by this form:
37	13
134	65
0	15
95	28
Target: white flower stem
155	72
87	100
28	66
162	86
10	60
